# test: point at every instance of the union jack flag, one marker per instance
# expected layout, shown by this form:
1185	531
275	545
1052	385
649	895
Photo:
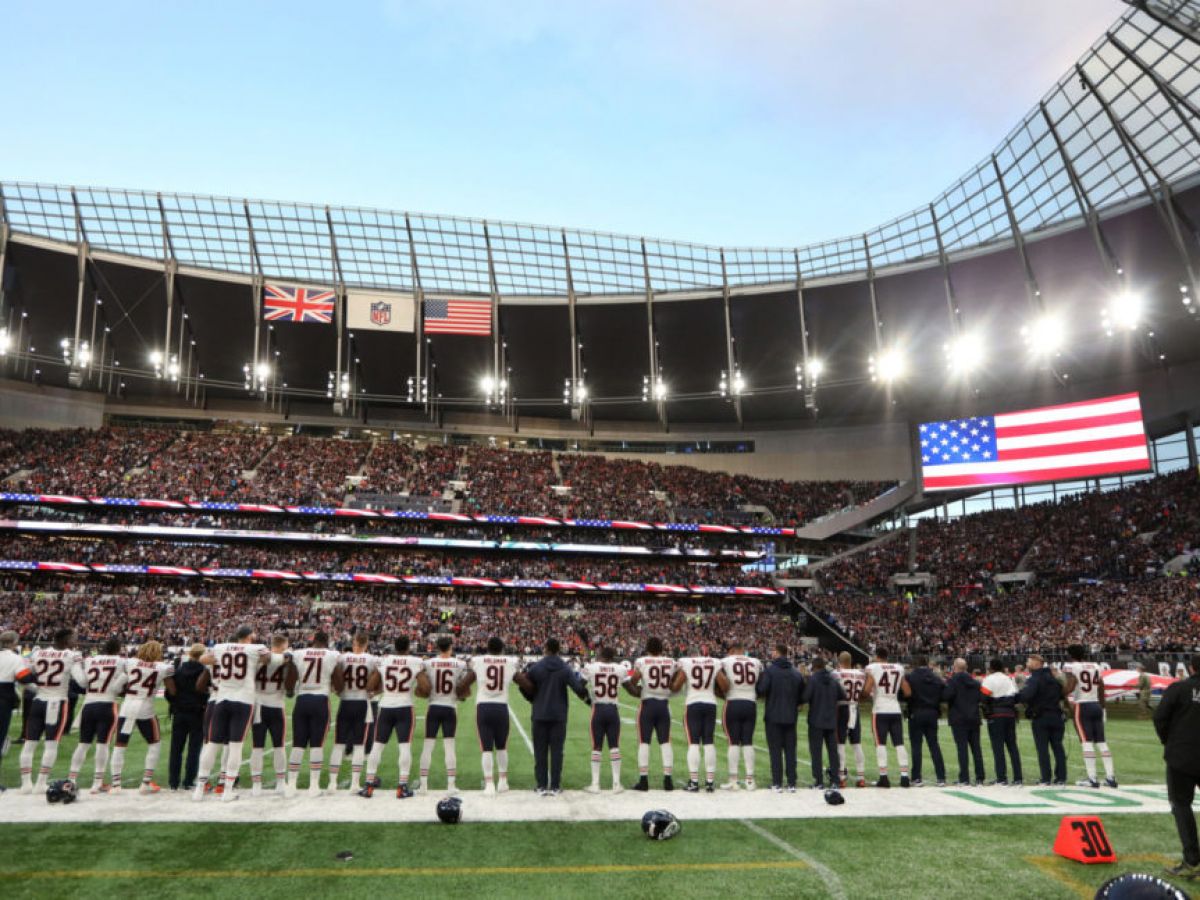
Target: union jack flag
297	304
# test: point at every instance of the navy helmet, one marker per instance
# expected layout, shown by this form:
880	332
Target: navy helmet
834	797
449	810
660	825
61	791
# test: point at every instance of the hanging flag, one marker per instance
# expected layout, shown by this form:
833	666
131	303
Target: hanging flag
458	317
1054	443
297	304
367	311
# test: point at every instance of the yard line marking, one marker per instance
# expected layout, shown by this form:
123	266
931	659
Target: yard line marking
516	720
832	883
429	872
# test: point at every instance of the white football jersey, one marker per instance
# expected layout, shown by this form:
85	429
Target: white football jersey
743	673
236	670
853	682
493	675
54	671
1088	678
271	691
888	678
356	670
104	677
315	665
701	672
13	666
656	672
443	673
399	677
605	680
143	681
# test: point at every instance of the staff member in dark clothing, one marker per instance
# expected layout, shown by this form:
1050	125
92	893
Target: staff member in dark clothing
1042	696
783	687
1177	721
962	696
187	694
548	680
822	693
924	710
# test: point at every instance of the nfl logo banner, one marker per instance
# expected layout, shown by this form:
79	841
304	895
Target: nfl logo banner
374	311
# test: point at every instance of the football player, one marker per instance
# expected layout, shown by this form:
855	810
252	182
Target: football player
54	667
651	680
235	668
1085	693
14	670
104	678
886	684
145	675
318	671
604	679
849	727
274	682
441	717
354	712
699	673
494	673
396	678
738	677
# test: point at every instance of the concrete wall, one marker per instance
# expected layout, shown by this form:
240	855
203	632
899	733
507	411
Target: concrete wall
25	405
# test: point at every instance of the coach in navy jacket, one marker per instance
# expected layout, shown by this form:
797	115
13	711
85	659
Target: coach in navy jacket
822	693
962	694
783	687
548	679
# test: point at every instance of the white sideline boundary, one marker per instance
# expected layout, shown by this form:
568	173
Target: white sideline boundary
580	806
832	883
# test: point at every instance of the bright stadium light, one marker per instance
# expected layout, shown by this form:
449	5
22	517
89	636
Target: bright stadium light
816	368
889	367
1123	313
5	341
964	353
487	384
1044	336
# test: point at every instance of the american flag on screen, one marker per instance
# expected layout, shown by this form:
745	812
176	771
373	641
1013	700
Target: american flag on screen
297	304
1054	443
458	317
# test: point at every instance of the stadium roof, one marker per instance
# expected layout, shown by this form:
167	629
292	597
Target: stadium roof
1124	119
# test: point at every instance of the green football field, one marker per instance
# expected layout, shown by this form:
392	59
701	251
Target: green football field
971	855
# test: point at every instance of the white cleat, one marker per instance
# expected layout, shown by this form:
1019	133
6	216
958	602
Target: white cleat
40	786
489	790
282	789
256	790
198	792
26	787
617	788
750	784
593	788
729	786
502	787
229	796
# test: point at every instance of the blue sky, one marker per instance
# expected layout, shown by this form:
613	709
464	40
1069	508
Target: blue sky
745	122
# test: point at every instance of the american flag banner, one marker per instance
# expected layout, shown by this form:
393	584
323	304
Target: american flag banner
458	317
1054	443
297	304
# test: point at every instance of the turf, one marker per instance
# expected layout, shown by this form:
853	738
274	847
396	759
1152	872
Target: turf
997	856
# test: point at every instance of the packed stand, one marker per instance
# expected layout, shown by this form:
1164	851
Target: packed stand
199	466
510	482
81	461
305	471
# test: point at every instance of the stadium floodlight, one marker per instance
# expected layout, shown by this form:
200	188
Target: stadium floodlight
5	341
1123	313
816	368
1044	336
173	368
888	368
654	388
574	393
735	385
964	353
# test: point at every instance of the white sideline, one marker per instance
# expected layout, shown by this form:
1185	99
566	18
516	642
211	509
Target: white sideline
578	806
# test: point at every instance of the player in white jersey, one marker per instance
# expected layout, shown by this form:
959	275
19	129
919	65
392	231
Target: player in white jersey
885	685
651	680
103	680
738	678
849	726
395	680
146	674
235	668
14	670
48	714
1085	693
275	682
444	670
318	671
494	673
699	673
604	679
354	715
